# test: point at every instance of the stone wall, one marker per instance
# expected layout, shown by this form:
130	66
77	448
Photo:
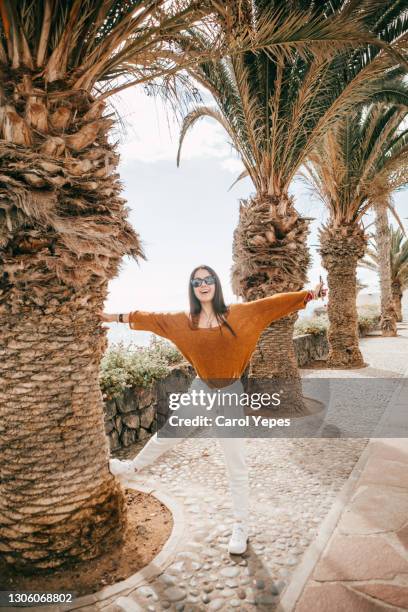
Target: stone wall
131	416
310	347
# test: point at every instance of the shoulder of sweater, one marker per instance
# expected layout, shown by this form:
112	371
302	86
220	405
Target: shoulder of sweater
236	308
178	320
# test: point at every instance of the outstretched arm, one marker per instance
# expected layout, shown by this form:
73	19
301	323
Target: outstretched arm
266	310
274	307
111	318
157	322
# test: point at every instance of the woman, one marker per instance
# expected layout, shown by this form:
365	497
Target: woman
218	341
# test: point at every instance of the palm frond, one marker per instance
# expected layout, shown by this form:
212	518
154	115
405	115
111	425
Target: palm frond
398	258
279	104
241	176
191	119
363	159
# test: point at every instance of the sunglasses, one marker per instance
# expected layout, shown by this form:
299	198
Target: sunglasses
208	280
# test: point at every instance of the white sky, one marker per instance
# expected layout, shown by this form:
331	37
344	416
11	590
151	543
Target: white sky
186	216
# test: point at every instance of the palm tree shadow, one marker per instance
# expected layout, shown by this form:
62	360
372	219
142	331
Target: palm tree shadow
266	589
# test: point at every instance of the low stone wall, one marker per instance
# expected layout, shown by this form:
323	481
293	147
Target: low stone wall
131	416
310	347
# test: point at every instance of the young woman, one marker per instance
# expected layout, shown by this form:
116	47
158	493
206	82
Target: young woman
218	341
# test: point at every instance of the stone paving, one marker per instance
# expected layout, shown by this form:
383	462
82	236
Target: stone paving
364	565
294	483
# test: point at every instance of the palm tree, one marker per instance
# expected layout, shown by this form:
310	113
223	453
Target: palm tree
63	233
357	164
388	320
399	268
398	256
274	111
392	177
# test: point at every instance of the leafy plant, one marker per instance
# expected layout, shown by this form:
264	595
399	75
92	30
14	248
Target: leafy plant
134	366
368	320
315	326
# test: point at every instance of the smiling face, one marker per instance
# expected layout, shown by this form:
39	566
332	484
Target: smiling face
205	293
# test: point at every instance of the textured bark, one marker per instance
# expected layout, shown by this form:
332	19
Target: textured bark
275	358
63	232
397	298
383	240
58	502
341	249
270	256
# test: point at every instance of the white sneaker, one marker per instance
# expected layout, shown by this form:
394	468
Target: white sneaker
122	468
238	542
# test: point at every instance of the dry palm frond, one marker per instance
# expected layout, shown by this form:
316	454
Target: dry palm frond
196	115
241	176
95	41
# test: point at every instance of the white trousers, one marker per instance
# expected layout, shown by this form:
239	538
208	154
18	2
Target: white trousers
234	448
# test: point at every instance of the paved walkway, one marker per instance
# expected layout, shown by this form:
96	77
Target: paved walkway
361	564
364	566
294	485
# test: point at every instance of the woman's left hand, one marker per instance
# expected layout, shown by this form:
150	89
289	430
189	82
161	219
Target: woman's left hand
320	290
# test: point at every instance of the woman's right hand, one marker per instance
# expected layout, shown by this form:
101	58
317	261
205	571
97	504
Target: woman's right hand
104	317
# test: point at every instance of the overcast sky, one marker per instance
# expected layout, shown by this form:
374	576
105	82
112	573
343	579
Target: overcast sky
185	216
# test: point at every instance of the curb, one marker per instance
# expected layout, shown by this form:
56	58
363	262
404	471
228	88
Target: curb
153	569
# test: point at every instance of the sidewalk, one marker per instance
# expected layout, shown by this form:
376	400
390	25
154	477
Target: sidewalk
364	566
359	561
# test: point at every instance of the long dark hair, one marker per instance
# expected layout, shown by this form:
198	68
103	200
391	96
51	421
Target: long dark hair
220	308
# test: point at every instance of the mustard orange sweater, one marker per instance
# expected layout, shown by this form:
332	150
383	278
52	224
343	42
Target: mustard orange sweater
215	353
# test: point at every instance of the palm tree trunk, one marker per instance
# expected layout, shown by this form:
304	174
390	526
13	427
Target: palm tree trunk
383	239
341	248
58	501
397	299
63	232
270	256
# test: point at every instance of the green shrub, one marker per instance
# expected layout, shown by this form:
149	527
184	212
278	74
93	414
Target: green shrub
131	365
312	325
367	321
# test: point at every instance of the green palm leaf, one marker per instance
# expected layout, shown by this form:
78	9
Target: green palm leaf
398	257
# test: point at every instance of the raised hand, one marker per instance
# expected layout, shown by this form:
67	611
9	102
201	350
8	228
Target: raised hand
320	290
